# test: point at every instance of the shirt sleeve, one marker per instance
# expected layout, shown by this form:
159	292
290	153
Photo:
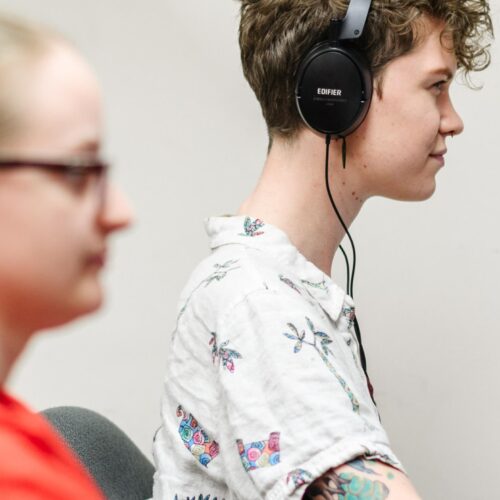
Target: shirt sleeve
293	399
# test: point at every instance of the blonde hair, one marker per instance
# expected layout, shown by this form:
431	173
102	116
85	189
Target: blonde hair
21	45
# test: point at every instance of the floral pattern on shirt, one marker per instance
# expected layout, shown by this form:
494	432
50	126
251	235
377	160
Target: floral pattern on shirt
319	285
370	455
349	312
223	354
299	477
290	283
240	297
221	271
252	226
200	497
195	439
320	343
258	454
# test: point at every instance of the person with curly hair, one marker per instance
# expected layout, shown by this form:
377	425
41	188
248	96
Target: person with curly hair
266	394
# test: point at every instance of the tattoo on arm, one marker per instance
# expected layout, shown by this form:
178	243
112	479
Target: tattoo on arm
333	486
359	464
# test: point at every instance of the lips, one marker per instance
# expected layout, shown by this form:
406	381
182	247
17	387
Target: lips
439	156
97	259
439	159
440	153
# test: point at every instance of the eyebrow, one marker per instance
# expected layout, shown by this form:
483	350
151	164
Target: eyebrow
90	146
443	71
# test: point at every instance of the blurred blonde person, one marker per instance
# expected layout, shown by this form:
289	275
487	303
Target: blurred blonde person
57	210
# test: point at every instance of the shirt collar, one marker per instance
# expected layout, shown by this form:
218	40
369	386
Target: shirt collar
255	233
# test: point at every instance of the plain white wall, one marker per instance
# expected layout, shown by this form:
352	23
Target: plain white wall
188	141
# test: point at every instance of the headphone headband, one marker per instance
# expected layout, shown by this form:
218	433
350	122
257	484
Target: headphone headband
354	21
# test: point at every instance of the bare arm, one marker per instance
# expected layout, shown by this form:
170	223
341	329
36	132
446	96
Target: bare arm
364	480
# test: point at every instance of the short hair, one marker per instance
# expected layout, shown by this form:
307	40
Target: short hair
21	44
275	35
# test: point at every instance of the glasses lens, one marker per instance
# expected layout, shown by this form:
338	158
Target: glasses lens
88	180
80	179
81	174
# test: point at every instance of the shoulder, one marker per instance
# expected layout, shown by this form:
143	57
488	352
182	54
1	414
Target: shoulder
231	274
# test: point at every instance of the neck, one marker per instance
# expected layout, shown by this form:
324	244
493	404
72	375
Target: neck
291	195
12	342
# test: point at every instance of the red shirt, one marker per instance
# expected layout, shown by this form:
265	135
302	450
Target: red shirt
35	463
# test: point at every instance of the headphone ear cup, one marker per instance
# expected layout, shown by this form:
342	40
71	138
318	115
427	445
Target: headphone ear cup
334	89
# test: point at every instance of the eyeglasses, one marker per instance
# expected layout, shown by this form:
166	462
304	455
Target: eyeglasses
82	174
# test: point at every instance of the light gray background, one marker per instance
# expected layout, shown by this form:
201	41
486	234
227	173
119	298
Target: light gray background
188	141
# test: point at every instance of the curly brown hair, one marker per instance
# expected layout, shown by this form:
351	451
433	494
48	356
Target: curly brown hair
275	34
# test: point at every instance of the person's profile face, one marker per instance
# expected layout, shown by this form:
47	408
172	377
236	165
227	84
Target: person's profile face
403	138
54	225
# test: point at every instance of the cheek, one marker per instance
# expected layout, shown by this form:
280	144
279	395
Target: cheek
383	138
420	120
44	246
69	241
394	144
399	130
43	270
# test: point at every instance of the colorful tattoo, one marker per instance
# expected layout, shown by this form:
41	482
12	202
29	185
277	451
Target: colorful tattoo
222	353
359	465
321	342
196	439
251	227
260	454
345	486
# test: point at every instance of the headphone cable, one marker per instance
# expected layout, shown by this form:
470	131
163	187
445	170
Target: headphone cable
350	276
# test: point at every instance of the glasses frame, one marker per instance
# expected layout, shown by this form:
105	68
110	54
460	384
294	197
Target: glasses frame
67	166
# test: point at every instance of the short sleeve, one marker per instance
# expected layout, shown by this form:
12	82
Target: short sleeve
293	399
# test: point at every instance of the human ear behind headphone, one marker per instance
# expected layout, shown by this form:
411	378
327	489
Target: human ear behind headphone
334	85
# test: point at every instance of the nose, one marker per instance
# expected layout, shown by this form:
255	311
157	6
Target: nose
116	212
451	122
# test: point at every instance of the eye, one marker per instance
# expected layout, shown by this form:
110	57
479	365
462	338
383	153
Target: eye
79	179
438	87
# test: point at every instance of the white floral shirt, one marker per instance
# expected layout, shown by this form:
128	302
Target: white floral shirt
264	389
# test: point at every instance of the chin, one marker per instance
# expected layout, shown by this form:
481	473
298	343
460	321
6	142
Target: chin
422	193
425	194
87	299
45	307
72	311
91	299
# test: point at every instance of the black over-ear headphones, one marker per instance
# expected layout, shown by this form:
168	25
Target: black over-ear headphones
334	84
